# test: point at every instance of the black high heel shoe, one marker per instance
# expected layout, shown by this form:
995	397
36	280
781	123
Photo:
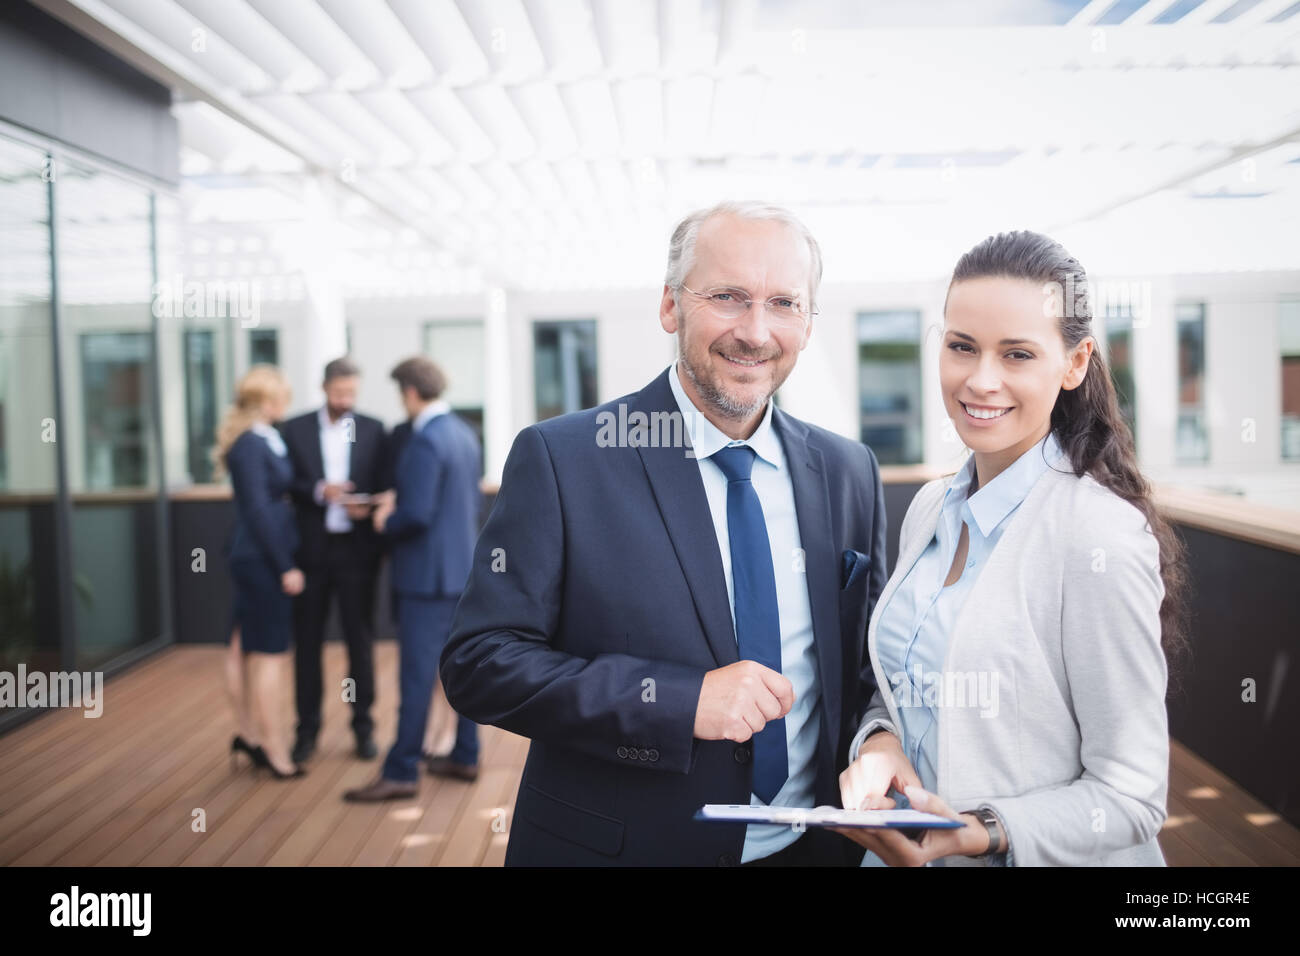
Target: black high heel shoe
297	771
256	754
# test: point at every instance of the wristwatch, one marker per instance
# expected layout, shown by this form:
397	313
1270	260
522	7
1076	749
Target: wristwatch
990	821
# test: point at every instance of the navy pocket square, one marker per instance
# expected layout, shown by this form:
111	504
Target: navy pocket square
853	567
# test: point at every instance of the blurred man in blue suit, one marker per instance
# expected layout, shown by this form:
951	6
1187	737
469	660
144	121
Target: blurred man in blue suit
680	623
432	522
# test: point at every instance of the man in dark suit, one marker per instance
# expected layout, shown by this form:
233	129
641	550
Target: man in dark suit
672	622
431	523
336	452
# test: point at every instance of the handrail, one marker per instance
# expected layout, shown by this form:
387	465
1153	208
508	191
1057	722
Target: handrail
1227	515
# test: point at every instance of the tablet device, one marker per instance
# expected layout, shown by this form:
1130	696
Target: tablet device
826	817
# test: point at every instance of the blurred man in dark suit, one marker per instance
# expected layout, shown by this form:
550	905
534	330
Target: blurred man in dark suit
336	454
432	524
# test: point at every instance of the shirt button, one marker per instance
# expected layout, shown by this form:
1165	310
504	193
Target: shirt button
970	563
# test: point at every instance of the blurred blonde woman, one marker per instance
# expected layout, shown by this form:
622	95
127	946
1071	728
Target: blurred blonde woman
260	554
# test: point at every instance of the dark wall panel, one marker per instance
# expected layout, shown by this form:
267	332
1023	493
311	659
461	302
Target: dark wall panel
56	82
1246	625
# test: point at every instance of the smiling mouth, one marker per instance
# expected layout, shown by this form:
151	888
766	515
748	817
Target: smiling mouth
984	414
743	363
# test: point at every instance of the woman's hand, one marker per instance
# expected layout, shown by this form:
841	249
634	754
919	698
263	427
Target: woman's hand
881	766
897	850
291	582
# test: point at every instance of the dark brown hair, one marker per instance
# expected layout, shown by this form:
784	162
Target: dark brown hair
1087	420
422	375
341	368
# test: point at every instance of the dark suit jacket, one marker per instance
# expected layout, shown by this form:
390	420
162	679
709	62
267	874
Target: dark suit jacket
612	578
432	531
367	470
264	526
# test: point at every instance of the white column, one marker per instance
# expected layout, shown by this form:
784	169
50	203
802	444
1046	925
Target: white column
498	402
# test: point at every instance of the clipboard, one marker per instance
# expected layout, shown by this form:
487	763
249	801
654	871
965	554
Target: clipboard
909	819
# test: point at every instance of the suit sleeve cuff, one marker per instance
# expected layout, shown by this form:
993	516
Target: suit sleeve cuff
870	726
318	493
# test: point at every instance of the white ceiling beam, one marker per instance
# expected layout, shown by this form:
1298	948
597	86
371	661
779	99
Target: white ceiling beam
1186	176
402	119
440	31
505	36
1261	12
1090	13
259	40
446	111
310	29
191	40
492	110
566	35
380	35
543	110
1206	12
1148	12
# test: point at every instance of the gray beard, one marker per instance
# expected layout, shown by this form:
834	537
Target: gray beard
714	397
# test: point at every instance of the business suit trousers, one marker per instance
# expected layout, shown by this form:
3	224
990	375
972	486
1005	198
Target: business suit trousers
348	573
423	625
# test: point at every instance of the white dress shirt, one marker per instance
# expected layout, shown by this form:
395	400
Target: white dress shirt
771	481
428	413
336	440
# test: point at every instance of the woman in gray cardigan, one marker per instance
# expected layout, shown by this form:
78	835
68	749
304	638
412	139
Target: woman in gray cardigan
1023	646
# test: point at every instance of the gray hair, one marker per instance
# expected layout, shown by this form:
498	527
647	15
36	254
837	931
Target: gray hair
681	248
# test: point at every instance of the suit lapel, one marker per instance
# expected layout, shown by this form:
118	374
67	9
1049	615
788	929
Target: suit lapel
311	438
812	507
679	492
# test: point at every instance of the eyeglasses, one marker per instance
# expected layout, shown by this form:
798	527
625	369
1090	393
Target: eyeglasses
733	303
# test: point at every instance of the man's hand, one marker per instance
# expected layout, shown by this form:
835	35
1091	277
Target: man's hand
736	701
292	582
383	510
334	490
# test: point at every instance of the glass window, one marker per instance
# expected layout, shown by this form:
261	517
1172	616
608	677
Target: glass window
263	347
889	385
104	232
30	622
1119	346
564	366
1289	338
1191	444
201	409
458	349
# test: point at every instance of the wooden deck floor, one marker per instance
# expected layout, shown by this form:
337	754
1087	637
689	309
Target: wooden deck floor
123	789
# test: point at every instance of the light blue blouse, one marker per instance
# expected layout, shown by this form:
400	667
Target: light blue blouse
272	437
912	633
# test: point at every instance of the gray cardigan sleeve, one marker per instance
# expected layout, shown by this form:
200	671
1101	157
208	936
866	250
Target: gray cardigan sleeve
1116	673
877	715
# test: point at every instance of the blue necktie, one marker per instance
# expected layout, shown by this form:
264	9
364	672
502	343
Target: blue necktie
758	622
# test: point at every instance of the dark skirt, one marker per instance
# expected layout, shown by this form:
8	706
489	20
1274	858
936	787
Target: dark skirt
262	611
